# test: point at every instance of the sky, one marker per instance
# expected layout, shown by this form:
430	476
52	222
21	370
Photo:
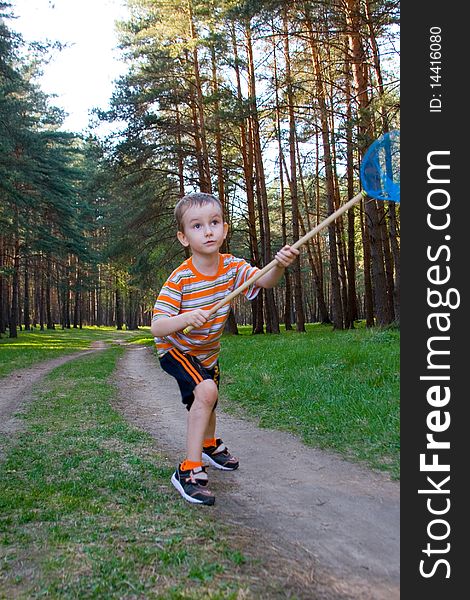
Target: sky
82	75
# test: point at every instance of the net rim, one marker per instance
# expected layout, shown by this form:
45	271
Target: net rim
392	187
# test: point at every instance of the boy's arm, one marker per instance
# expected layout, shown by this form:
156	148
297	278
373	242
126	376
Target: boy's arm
166	325
284	257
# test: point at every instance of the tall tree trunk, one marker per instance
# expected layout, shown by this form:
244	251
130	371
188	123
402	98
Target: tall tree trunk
68	291
42	305
77	296
287	279
206	185
36	297
396	257
360	74
49	320
3	300
393	280
351	255
272	318
119	307
388	261
368	293
179	152
231	323
76	309
317	250
340	235
26	297
330	92
336	308
13	320
317	282
132	311
298	294
372	39
99	299
248	173
218	135
62	292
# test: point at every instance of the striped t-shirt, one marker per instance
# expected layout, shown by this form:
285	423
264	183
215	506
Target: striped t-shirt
186	289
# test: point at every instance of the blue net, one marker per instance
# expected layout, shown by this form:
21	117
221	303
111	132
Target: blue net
380	168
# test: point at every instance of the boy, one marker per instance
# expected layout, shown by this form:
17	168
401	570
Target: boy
192	359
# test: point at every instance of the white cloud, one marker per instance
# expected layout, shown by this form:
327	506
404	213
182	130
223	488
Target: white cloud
82	75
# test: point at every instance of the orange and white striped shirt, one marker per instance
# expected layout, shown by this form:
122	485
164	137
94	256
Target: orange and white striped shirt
186	289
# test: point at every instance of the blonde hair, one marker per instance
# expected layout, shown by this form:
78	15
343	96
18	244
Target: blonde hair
191	200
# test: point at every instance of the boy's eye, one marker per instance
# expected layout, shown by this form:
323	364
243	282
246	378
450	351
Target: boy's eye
215	222
196	225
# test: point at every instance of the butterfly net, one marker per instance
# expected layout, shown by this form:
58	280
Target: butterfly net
380	168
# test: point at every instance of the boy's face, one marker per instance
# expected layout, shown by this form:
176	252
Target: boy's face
204	229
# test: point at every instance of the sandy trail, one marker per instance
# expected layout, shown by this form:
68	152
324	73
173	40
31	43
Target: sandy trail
339	520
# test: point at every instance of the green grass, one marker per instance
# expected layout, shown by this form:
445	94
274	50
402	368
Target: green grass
87	509
34	346
334	389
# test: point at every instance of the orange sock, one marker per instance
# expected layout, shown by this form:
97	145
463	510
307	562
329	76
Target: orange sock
209	442
187	465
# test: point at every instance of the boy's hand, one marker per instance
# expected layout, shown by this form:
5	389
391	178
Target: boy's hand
196	318
287	255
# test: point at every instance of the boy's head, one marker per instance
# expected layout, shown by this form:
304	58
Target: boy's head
193	200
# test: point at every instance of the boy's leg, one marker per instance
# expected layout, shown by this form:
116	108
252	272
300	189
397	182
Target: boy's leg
210	429
211	426
201	418
197	391
214	451
190	478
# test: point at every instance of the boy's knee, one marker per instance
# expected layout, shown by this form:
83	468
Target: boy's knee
206	392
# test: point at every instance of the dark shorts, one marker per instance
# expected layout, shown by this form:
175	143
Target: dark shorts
188	372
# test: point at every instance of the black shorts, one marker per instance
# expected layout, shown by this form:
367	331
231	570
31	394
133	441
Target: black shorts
188	372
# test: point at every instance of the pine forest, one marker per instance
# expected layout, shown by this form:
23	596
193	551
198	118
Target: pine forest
270	105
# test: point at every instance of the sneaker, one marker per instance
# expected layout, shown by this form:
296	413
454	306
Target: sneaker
192	485
219	457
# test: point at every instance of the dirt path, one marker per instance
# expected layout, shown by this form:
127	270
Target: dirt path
16	390
337	519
